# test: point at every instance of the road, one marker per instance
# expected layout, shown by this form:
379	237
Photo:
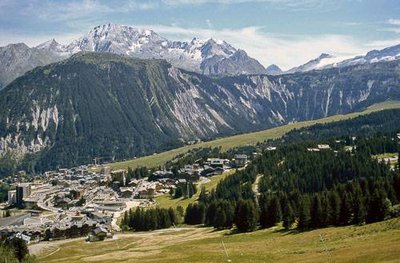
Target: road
256	187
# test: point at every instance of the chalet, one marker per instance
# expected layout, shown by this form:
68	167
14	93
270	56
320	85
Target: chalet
147	191
240	160
126	192
163	174
324	147
181	182
22	236
216	162
313	150
100	218
133	182
190	172
208	171
98	234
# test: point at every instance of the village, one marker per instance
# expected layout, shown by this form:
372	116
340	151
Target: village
88	200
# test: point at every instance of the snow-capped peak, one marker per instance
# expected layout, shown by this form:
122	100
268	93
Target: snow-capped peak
48	44
321	62
53	47
198	55
325	61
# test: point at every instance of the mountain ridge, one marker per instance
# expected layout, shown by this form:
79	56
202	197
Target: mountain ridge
325	61
211	57
96	104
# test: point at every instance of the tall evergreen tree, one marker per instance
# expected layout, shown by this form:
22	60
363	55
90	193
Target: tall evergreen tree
274	214
378	207
316	212
345	209
288	216
304	213
220	218
334	201
359	209
246	217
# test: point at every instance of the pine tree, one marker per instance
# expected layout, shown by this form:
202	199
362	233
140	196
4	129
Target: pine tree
274	214
288	216
316	212
125	220
396	184
358	208
326	209
229	208
203	195
334	201
136	220
246	216
19	247
345	210
210	214
264	204
304	214
172	216
220	218
378	206
178	192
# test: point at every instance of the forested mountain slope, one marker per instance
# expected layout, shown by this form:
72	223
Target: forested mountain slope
306	187
108	105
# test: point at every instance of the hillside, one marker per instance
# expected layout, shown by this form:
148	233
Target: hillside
114	107
343	244
246	139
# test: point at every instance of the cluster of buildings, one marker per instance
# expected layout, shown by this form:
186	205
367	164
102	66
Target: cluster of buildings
80	202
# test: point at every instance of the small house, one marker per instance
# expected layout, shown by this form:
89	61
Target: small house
98	234
240	160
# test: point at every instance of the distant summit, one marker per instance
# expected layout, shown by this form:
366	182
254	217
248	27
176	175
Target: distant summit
317	63
274	70
325	61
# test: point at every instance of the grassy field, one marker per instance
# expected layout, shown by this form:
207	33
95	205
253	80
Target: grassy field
379	242
165	201
244	139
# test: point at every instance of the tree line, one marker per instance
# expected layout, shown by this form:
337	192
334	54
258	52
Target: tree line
141	219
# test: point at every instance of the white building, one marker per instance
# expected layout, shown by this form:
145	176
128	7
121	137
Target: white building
12	197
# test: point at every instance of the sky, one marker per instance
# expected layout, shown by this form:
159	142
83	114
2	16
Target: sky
282	32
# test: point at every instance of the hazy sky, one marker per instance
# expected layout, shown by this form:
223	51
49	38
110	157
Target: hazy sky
284	32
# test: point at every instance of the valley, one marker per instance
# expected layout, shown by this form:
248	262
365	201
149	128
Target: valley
199	131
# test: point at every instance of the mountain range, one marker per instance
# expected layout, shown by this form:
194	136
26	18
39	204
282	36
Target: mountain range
211	57
325	61
103	104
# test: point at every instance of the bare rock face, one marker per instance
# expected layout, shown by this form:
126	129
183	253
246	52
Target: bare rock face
16	59
102	104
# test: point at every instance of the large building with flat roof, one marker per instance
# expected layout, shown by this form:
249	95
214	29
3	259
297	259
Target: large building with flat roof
22	191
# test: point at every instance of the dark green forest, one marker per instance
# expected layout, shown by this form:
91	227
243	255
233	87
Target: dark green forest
305	189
